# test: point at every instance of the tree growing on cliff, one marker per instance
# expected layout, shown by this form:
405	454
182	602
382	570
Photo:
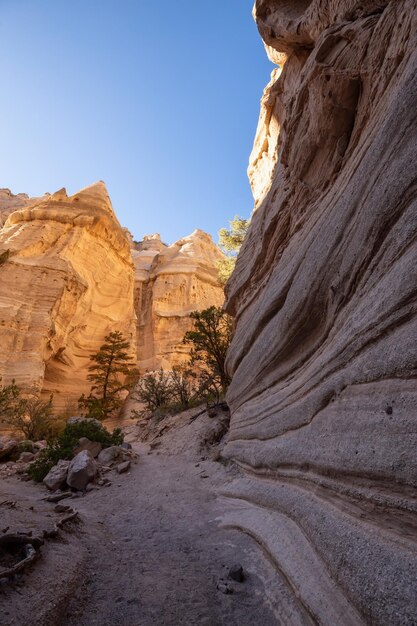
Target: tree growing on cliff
210	339
230	242
112	371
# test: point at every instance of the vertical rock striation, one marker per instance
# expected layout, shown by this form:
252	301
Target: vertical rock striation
67	282
170	283
324	358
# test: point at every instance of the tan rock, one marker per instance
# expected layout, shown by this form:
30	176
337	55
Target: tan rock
82	470
10	203
57	475
110	455
122	468
67	283
263	158
7	448
94	447
170	282
26	457
324	394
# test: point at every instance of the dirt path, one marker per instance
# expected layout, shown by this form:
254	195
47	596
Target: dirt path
149	550
156	552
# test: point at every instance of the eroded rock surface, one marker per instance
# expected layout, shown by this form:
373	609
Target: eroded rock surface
10	202
170	282
70	274
67	282
324	356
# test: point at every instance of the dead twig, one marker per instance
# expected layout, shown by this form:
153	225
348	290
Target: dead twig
67	518
49	534
10	503
56	497
194	417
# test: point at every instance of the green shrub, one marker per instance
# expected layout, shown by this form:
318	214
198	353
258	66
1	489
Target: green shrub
30	415
171	392
154	390
34	418
26	446
93	431
46	460
9	400
63	446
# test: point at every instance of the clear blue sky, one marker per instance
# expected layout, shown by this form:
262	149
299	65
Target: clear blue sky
158	98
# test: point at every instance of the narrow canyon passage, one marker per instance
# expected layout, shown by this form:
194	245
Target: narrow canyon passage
155	551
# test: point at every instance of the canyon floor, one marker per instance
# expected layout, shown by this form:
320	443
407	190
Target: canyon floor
148	549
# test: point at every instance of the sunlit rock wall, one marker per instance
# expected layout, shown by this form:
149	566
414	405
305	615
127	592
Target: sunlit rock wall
324	358
67	283
170	283
10	202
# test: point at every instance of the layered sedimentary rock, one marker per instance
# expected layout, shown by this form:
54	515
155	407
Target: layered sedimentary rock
66	283
10	202
324	358
69	275
170	282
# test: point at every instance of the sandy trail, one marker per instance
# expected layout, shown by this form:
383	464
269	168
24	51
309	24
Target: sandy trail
157	552
148	551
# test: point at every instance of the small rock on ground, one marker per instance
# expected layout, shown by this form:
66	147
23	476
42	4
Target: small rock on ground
236	573
123	467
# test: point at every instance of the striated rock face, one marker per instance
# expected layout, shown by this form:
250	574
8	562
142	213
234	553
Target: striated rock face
170	282
263	158
10	203
68	281
324	358
71	274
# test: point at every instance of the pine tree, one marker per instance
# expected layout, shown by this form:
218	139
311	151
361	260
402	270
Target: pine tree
210	340
230	242
112	372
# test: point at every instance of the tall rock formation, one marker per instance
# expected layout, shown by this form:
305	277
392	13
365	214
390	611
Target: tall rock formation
67	282
70	274
324	358
170	282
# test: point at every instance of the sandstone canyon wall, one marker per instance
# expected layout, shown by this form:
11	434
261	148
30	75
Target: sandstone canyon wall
67	283
170	283
74	274
324	358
